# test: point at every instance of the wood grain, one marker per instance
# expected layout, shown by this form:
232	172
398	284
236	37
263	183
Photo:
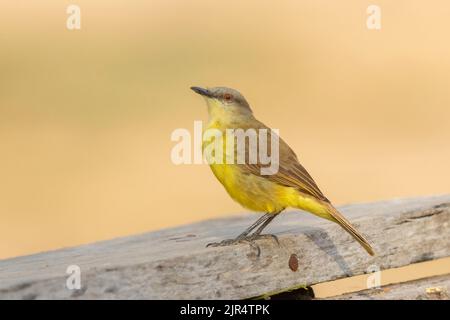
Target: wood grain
174	263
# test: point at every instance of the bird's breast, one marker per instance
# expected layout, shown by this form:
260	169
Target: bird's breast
251	191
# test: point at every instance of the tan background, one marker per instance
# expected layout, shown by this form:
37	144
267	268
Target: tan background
86	116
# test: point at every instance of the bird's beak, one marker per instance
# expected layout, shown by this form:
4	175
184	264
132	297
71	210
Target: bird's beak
202	92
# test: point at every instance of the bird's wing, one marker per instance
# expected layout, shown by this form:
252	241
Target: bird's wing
290	173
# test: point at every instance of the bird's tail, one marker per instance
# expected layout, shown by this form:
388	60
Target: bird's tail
343	222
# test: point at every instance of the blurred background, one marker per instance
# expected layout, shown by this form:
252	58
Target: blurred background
86	115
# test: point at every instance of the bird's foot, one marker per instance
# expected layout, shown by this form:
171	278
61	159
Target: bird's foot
227	242
251	240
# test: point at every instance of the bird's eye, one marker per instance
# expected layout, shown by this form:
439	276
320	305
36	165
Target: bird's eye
227	97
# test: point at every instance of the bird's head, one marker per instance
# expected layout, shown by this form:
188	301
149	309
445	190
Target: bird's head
224	102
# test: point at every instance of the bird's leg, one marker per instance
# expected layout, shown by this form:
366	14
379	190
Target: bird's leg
251	239
262	220
257	234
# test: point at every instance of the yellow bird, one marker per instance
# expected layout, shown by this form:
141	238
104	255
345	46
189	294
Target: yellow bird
290	186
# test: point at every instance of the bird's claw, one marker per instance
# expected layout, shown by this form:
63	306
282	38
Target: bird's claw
251	240
223	243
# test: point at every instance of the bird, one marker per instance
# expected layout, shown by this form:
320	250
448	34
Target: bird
291	186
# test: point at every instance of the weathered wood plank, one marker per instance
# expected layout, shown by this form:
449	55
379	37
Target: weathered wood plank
435	288
174	263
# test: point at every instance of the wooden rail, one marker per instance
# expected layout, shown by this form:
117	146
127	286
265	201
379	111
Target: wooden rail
175	264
